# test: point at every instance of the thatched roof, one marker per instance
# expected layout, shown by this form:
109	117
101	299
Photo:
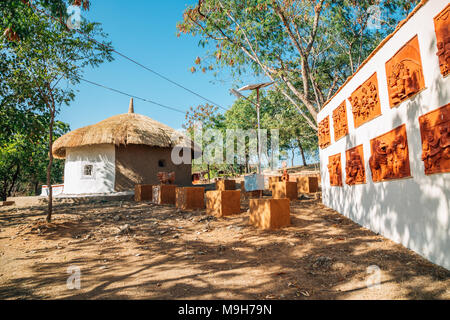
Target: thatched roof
122	129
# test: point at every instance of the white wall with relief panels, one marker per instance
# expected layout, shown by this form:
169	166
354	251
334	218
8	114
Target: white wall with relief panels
412	211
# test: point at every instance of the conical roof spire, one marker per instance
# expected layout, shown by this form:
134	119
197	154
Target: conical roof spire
131	108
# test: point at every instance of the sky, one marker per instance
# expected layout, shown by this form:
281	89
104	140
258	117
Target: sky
146	31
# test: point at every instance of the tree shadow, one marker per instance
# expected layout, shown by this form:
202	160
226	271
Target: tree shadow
322	255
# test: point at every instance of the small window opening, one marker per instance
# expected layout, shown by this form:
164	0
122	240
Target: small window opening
161	163
88	170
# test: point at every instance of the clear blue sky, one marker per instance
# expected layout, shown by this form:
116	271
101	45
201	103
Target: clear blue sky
145	31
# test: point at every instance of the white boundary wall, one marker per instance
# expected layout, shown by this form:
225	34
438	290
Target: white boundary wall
412	211
102	158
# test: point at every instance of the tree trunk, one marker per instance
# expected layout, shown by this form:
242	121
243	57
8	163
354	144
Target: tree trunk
293	156
247	164
49	168
13	182
36	188
302	152
3	192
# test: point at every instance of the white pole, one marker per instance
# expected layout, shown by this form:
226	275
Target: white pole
259	131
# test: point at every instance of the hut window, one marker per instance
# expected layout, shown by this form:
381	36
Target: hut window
161	163
88	170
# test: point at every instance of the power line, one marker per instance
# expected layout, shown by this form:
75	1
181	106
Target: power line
128	58
133	96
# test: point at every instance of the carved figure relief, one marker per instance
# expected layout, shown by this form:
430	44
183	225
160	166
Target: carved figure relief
390	157
442	28
335	170
324	133
404	73
354	166
435	132
365	101
340	123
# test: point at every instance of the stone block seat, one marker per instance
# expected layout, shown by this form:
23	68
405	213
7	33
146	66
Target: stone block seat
223	203
270	213
284	189
190	198
164	194
143	192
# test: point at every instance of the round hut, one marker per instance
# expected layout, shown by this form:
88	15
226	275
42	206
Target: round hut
117	153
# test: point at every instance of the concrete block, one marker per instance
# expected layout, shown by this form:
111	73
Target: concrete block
223	203
250	194
190	198
164	194
273	180
143	192
254	182
270	213
223	185
285	189
308	184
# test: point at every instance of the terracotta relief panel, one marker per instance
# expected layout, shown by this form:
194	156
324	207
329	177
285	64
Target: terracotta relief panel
365	101
435	132
335	170
324	133
390	157
404	73
442	27
354	166
340	123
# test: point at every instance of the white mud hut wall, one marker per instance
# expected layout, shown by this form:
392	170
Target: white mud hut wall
412	211
90	169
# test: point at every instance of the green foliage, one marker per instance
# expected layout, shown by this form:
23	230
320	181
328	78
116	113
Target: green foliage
308	47
276	112
41	61
24	152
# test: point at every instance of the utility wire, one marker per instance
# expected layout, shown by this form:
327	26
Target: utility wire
133	96
126	57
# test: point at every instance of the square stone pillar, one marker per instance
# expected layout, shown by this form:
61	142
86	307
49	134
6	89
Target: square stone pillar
190	198
285	189
164	194
143	192
270	213
223	185
308	184
223	203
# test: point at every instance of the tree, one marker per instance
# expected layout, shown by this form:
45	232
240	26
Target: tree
308	47
24	152
45	61
203	117
294	131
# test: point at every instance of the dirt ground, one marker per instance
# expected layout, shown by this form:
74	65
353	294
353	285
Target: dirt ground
128	250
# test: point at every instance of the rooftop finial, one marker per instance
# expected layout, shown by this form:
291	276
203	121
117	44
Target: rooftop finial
131	108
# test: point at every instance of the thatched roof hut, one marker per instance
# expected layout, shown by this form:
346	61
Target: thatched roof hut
121	130
119	152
